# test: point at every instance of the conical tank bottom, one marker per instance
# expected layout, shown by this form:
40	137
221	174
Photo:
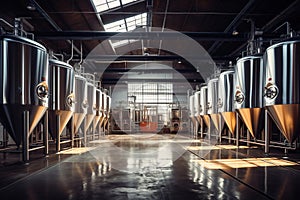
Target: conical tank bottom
65	117
11	119
193	120
88	121
230	121
206	120
253	119
198	119
78	119
215	118
286	117
96	121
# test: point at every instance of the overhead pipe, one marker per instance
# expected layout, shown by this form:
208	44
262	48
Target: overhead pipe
233	23
102	35
49	19
72	54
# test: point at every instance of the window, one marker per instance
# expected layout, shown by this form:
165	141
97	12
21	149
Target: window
104	5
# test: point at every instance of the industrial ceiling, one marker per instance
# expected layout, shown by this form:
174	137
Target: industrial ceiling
222	28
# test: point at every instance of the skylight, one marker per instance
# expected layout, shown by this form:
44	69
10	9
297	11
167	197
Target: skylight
104	5
127	24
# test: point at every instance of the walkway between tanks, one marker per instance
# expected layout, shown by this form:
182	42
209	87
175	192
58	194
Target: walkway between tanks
153	167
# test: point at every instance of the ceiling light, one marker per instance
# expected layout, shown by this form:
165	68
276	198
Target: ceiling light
235	32
30	6
179	62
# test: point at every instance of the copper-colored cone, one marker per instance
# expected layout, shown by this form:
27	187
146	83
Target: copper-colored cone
88	121
78	118
193	120
198	119
65	117
216	121
253	119
230	120
96	121
286	117
206	120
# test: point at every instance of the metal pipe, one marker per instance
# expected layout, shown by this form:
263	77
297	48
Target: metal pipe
71	53
267	132
36	148
49	19
233	23
154	35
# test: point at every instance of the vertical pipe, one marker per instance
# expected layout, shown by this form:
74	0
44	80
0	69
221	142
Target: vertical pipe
57	132
248	138
237	129
201	128
72	131
45	134
267	133
25	146
220	131
84	132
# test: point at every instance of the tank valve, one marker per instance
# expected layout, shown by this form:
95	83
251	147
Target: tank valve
220	103
271	91
70	100
42	90
85	104
239	97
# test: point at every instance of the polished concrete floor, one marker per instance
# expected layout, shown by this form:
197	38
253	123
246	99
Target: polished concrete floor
152	166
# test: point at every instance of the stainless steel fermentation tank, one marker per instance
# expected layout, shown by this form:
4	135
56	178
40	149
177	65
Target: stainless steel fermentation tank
197	110
107	112
282	87
192	112
81	102
61	99
97	119
103	110
205	121
249	88
91	101
212	102
226	99
24	86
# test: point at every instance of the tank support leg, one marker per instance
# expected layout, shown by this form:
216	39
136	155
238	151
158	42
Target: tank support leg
72	131
57	133
237	129
45	134
25	146
267	133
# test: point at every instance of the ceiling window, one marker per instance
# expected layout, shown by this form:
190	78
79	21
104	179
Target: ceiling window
104	5
127	24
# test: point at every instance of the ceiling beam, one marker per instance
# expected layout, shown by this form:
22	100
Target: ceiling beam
102	35
233	23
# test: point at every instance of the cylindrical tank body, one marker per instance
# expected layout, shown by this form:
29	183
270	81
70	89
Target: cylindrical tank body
226	91
61	100
197	104
249	88
103	109
249	85
282	86
203	100
91	100
192	107
212	102
203	106
81	102
212	96
226	99
23	83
